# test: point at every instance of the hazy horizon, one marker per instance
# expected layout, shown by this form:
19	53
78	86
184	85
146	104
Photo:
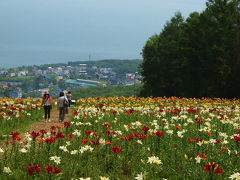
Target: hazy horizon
55	31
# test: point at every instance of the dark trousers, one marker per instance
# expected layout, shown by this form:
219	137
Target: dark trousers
62	111
47	110
66	110
69	104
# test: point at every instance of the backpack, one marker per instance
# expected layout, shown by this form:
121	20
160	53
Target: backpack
65	103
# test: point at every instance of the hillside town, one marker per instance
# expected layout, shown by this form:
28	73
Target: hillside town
58	78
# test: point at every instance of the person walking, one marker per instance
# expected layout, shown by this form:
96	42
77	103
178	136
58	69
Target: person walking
69	98
47	105
61	104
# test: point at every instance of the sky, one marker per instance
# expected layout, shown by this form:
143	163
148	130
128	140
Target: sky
52	31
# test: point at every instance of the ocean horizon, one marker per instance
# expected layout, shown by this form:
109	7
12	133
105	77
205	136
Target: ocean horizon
42	61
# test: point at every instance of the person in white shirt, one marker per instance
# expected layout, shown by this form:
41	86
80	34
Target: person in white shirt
61	104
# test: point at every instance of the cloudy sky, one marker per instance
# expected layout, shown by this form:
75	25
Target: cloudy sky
50	31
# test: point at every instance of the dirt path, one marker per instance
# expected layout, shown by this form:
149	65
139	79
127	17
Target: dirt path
47	125
37	126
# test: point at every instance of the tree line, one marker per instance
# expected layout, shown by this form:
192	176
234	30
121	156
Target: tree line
110	91
195	57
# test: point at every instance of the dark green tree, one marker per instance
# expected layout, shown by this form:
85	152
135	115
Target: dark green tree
208	43
161	60
197	57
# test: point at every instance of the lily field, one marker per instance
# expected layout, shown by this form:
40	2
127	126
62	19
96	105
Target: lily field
123	138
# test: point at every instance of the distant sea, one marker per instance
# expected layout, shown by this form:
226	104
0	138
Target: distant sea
11	61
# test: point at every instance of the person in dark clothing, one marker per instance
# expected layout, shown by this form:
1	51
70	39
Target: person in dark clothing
69	98
47	105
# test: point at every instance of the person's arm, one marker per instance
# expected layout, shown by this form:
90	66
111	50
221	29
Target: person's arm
66	99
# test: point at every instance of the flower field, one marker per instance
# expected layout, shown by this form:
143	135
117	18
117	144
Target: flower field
132	138
17	113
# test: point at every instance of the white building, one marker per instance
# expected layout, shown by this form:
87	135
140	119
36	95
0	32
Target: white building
83	69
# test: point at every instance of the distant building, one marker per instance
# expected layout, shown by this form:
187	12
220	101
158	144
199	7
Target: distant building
22	73
69	67
44	72
38	72
3	72
101	76
82	69
128	81
94	67
83	82
130	75
105	70
58	78
66	72
12	74
115	82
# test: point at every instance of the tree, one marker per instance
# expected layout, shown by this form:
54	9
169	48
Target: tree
196	57
160	60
